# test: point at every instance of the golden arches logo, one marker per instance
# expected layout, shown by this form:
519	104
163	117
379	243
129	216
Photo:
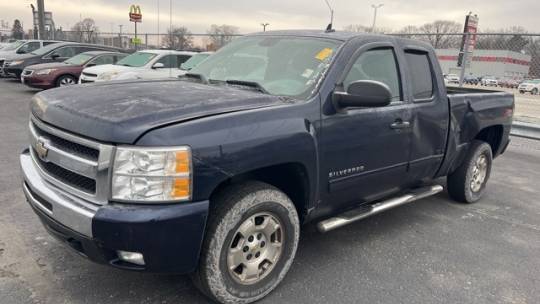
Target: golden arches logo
135	9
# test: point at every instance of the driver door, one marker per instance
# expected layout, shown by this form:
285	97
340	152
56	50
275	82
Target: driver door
366	150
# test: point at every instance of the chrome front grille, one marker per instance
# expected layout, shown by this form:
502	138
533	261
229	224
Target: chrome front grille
72	163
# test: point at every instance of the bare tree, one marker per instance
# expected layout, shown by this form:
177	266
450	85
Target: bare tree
179	38
357	28
441	34
220	35
17	32
85	30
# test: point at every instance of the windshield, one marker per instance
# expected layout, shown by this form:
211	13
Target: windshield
79	59
14	45
138	59
193	61
287	66
44	50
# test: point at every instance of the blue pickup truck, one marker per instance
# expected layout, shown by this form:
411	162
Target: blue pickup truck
214	173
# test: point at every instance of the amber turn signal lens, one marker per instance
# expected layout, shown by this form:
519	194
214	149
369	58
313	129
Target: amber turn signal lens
180	188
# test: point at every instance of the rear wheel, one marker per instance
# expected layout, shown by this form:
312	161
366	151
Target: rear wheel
65	80
468	183
250	243
534	91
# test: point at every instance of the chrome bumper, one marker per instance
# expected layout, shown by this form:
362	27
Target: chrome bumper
66	209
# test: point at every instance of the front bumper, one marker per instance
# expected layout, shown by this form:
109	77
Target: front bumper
37	82
13	71
169	236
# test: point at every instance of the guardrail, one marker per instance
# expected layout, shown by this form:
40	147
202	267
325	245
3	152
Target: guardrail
525	130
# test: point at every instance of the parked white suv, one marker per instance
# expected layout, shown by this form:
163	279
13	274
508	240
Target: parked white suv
452	78
489	81
530	86
147	64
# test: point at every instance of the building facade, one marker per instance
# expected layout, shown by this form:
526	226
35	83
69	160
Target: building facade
497	63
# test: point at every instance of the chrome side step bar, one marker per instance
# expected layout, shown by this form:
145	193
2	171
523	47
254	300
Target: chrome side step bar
364	212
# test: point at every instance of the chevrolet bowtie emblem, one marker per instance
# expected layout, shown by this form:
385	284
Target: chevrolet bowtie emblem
41	149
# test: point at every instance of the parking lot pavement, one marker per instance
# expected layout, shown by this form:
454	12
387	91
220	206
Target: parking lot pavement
432	251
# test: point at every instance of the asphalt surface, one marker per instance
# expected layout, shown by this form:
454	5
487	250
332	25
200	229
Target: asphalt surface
432	251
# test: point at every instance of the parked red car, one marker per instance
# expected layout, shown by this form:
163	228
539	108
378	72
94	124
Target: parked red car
57	74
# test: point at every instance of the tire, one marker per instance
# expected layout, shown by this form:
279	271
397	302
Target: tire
534	91
231	213
65	80
460	182
521	92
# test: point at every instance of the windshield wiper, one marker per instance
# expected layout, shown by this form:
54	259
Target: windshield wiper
200	77
251	84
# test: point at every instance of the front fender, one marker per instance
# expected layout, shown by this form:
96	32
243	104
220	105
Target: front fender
228	145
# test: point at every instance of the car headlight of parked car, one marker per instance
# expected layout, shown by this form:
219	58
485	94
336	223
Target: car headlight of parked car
152	175
17	62
107	76
45	71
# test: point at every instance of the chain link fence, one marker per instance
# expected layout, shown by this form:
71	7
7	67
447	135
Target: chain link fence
499	61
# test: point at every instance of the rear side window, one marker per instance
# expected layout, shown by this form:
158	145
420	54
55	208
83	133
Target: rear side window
421	74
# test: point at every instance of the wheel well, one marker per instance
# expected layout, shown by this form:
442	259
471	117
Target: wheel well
493	136
291	178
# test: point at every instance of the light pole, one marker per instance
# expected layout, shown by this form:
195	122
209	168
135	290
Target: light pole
158	24
264	25
375	8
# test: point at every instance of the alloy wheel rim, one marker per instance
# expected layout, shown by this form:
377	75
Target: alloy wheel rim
66	81
479	173
255	248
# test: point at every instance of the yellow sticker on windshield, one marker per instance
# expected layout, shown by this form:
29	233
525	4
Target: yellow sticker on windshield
325	53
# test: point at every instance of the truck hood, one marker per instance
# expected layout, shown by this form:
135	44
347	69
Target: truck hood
120	112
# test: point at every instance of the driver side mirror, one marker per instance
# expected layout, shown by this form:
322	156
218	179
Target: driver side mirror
21	51
91	64
158	65
184	68
363	93
55	56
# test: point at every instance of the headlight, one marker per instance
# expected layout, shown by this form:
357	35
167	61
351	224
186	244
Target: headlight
45	71
16	62
107	76
147	175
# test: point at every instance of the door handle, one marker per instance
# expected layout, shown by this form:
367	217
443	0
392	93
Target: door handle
399	125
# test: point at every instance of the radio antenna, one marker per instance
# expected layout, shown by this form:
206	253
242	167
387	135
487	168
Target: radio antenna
329	27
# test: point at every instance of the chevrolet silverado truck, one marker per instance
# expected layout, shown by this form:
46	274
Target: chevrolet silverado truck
213	174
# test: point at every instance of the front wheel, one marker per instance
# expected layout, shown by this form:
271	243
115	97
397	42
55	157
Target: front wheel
534	91
65	80
468	183
251	240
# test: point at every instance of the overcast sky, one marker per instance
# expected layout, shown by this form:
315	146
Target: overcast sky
281	14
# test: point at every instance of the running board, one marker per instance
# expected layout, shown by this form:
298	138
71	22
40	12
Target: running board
364	212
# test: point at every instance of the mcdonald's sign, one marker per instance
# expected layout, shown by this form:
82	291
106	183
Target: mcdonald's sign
135	13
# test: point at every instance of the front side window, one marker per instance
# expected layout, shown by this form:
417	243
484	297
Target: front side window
421	74
65	52
169	61
378	65
138	59
29	47
286	66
